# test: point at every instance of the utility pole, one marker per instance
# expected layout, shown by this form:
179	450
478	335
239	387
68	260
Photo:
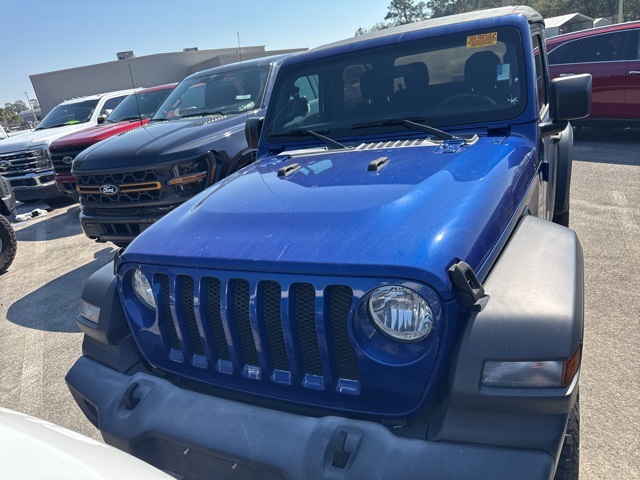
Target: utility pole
35	119
620	9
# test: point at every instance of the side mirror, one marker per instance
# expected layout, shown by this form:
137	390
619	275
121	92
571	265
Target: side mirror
571	97
252	130
101	120
570	100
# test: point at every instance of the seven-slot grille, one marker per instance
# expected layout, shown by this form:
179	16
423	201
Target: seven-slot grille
286	334
140	186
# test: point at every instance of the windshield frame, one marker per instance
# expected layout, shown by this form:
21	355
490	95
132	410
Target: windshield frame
57	114
134	106
247	97
509	38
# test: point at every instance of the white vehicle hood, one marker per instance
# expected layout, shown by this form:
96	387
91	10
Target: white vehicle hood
31	448
39	137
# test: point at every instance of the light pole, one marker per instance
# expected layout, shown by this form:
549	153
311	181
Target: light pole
620	9
35	119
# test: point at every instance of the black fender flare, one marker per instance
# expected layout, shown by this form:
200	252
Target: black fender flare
534	311
563	179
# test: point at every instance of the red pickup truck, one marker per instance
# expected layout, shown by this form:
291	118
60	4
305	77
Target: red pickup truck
133	112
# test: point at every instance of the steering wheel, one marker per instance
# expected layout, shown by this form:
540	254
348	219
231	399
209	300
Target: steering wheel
461	99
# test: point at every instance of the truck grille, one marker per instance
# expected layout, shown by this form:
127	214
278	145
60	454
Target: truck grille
228	330
15	164
62	157
183	334
129	187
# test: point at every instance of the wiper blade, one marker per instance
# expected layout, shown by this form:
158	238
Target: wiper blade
301	132
202	114
409	122
126	119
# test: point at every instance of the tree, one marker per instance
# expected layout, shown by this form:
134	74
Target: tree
9	116
16	107
401	12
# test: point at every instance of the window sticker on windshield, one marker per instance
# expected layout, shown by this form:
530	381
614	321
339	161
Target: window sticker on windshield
503	72
482	40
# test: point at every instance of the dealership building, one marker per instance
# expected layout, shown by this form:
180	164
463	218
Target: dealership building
129	71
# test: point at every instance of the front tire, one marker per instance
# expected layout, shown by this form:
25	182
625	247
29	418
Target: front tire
569	463
8	244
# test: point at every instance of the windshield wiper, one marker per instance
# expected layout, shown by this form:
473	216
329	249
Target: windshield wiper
409	122
301	132
126	119
203	114
55	126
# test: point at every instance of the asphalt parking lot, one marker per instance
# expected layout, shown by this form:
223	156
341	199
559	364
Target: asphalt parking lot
40	292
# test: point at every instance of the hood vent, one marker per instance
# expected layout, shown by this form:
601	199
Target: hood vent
396	144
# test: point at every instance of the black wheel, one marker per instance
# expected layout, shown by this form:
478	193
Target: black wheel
8	244
562	219
466	98
569	463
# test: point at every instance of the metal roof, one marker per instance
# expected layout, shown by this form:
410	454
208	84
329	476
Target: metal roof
562	19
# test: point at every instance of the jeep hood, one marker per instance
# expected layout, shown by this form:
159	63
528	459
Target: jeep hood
157	142
92	135
412	218
38	138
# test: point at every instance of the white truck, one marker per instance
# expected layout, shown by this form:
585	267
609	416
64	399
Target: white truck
25	159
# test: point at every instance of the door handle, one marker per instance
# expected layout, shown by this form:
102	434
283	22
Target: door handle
634	72
567	74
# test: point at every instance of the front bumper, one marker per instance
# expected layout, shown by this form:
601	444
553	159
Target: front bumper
34	186
201	436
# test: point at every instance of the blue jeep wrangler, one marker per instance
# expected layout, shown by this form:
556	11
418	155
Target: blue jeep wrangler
382	294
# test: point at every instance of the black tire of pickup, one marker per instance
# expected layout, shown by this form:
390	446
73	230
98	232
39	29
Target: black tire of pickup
568	465
8	244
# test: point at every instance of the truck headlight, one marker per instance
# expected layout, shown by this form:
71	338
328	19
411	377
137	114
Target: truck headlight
41	156
400	313
142	289
190	177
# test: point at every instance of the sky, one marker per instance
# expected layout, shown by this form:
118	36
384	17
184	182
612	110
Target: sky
41	36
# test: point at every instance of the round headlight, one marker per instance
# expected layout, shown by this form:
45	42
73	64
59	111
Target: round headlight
400	313
142	289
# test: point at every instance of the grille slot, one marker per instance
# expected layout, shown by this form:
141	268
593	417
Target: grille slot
299	333
305	316
240	294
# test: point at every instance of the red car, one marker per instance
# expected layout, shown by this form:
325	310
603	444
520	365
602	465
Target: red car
134	111
611	55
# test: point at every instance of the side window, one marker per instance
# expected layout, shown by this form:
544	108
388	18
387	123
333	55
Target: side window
541	77
565	53
110	104
602	48
634	51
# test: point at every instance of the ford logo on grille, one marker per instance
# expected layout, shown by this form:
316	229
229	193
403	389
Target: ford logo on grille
109	189
67	160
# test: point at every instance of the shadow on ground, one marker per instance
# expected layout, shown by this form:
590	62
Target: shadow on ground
63	225
603	145
54	306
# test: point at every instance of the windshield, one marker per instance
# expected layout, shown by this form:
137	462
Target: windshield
139	105
229	92
69	114
444	81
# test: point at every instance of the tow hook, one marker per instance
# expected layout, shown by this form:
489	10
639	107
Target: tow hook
129	400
